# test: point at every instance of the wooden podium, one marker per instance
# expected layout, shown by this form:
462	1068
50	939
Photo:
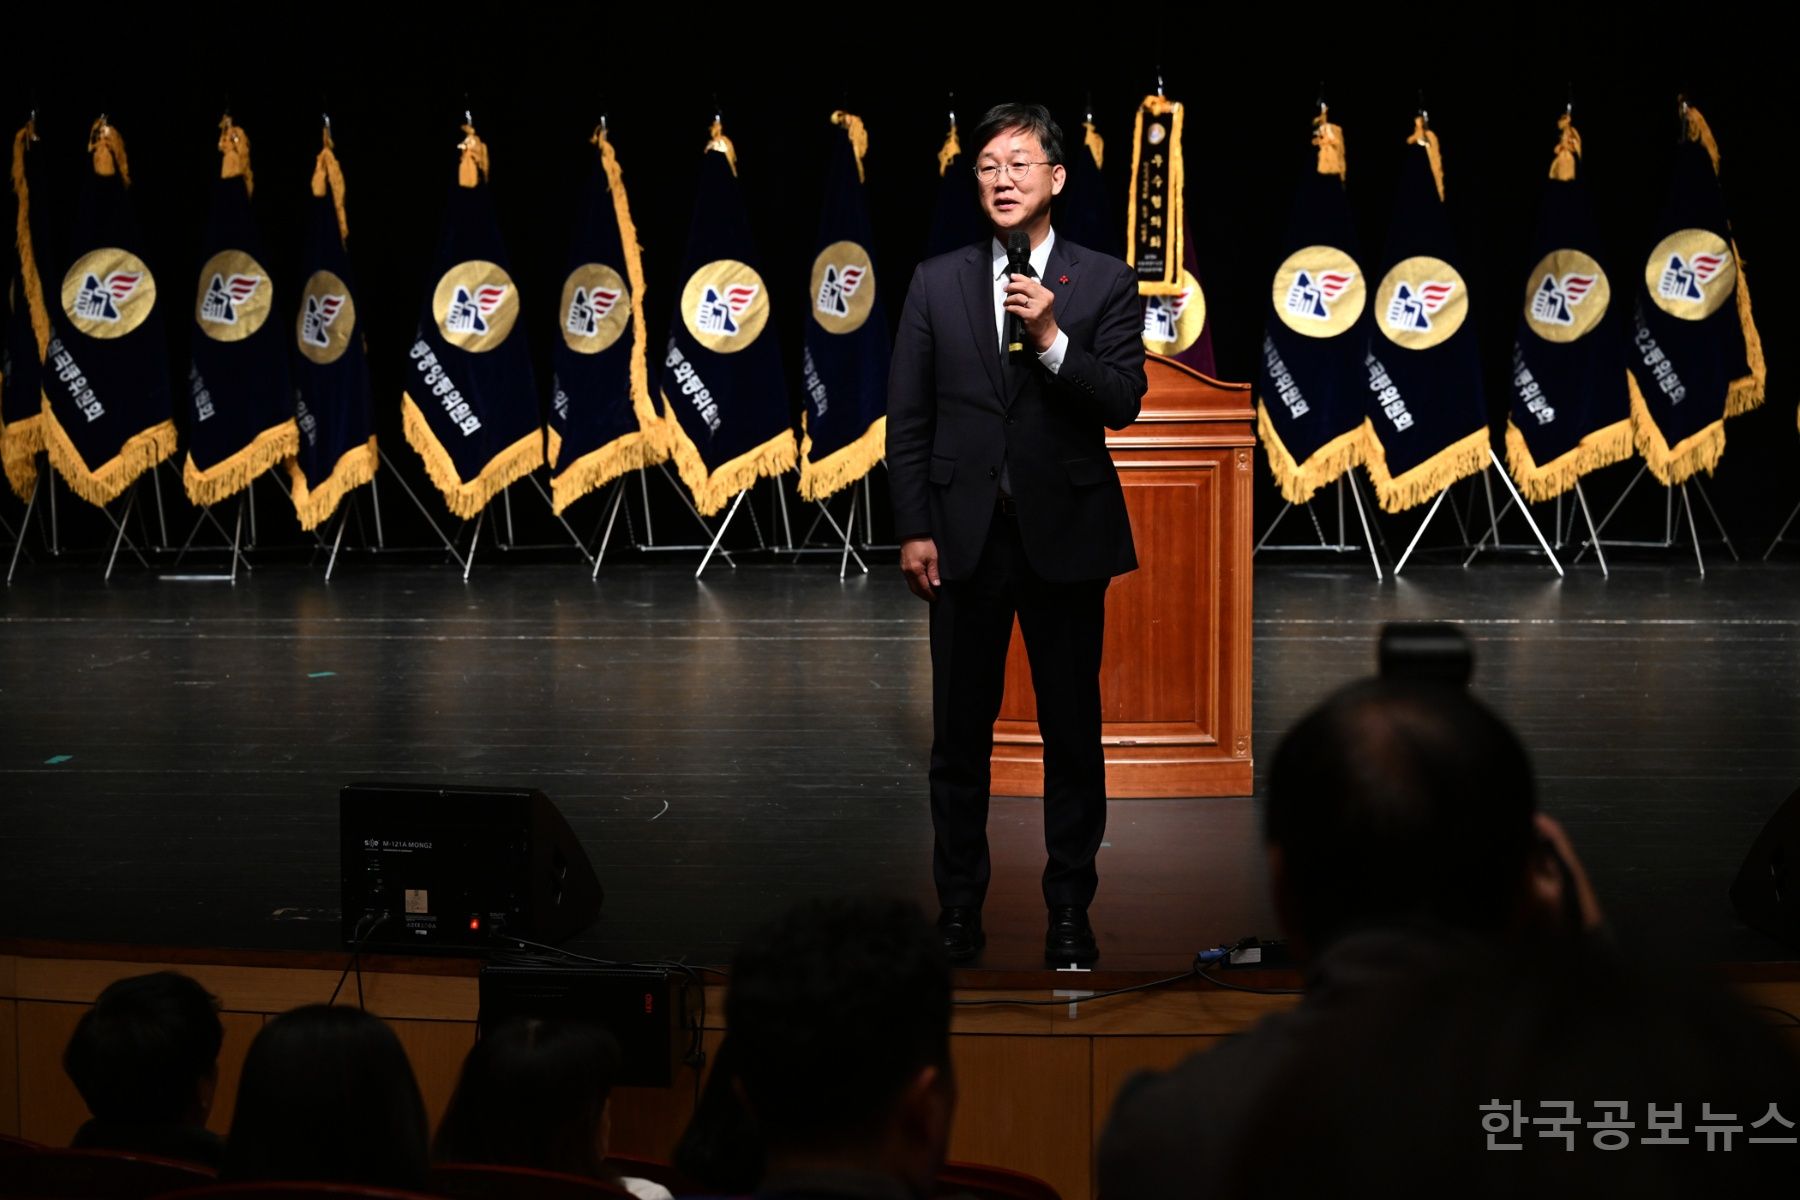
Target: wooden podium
1175	677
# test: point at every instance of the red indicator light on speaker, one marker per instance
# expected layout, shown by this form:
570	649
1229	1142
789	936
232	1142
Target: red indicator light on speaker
475	923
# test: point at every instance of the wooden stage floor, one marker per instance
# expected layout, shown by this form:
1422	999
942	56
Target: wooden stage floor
170	752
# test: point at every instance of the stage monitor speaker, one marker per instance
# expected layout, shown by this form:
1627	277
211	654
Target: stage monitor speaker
631	1003
459	869
1766	893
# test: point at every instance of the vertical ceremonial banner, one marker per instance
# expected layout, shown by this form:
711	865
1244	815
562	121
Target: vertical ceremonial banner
1569	412
1085	213
1309	387
1428	424
602	420
1176	322
242	421
1153	229
470	407
723	388
956	219
107	407
332	401
27	336
1695	357
843	416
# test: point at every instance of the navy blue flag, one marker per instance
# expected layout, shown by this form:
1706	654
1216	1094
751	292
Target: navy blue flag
1086	213
108	412
1309	410
723	389
956	219
1695	355
26	336
844	413
332	401
1569	412
602	420
1428	423
241	421
470	406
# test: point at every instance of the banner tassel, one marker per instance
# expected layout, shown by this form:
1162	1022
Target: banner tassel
1298	484
314	506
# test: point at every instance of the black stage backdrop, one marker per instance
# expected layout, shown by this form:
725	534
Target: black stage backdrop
538	82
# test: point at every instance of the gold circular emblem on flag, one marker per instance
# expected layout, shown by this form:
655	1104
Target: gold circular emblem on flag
108	292
843	287
1173	323
234	297
1565	296
1691	273
725	305
475	305
596	307
326	320
1319	291
1421	302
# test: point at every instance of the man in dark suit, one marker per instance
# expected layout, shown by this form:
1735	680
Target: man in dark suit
1006	502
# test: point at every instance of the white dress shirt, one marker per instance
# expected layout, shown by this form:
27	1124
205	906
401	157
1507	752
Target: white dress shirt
1040	262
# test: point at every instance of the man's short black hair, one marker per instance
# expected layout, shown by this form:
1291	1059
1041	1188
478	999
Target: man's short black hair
833	1008
138	1056
1398	800
1034	119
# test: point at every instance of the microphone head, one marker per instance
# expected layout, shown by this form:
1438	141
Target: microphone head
1018	247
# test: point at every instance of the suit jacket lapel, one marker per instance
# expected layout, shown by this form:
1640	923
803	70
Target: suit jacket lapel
1062	265
978	295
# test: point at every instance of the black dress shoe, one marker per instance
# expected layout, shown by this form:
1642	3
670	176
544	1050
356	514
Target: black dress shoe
1070	939
961	930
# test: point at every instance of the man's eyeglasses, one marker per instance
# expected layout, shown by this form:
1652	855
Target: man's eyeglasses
990	174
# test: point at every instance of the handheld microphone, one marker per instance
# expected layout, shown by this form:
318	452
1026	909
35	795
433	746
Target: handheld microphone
1018	262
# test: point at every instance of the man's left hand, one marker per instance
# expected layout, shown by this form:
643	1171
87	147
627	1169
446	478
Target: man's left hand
1037	305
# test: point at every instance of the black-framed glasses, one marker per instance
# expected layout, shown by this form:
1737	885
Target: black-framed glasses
990	174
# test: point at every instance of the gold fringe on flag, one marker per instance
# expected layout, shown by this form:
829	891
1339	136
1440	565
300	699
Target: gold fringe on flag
281	441
841	468
649	445
859	137
1701	451
1540	482
713	490
229	476
328	177
103	484
1174	225
314	506
948	152
1298	482
234	154
1673	464
1459	460
467	499
21	440
142	451
1095	144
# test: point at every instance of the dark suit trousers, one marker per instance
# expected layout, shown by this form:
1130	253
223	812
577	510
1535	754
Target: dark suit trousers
971	626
